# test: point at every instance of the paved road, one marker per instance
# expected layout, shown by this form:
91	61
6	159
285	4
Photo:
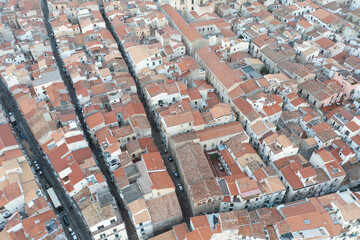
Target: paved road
171	166
131	231
48	178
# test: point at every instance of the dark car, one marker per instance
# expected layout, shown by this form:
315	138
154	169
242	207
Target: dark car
99	153
22	136
66	220
170	159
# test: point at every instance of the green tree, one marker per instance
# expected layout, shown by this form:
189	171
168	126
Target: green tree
264	70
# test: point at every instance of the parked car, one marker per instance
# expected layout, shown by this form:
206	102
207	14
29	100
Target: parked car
180	187
22	136
165	149
37	166
99	153
176	174
170	159
66	220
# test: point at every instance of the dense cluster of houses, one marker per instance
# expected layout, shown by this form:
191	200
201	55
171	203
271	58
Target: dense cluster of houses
257	103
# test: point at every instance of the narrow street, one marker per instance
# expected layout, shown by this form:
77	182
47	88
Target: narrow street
131	231
170	166
47	178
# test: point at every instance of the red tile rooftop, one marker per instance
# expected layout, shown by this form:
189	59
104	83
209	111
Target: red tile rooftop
190	32
60	157
7	138
95	120
12	154
34	226
307	172
226	75
82	154
161	180
325	43
200	221
130	110
180	231
153	161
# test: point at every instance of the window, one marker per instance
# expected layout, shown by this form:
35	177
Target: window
65	179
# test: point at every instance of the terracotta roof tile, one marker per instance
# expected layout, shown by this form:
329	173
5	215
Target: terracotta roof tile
7	138
153	161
